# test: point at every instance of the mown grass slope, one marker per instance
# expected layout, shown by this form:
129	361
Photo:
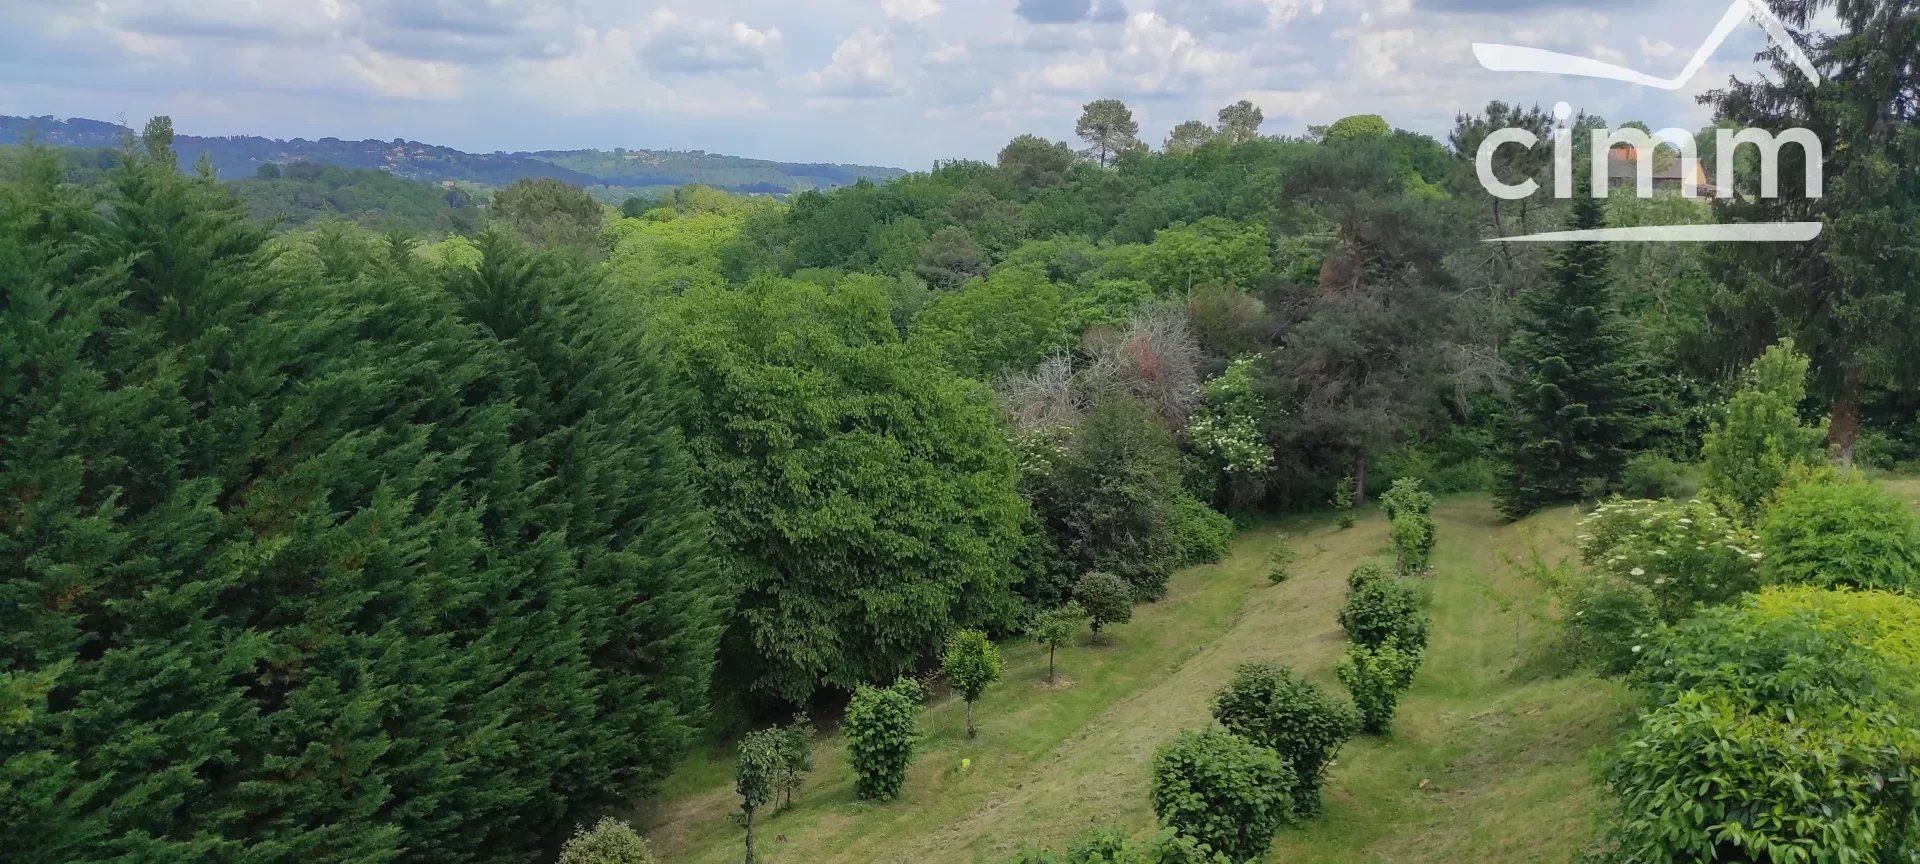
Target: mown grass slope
1488	763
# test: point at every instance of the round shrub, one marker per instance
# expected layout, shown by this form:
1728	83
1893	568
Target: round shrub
610	841
1107	599
1203	532
1608	620
1685	556
1271	706
1382	610
1652	475
1224	791
882	728
1375	678
1280	560
1845	532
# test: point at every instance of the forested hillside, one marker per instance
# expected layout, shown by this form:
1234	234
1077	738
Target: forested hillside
240	156
452	536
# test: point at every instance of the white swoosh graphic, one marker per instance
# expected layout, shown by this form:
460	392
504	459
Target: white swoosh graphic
1515	58
1752	232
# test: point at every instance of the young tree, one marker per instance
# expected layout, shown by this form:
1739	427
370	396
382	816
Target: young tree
1056	627
971	663
1274	708
1107	598
882	731
1224	791
1240	122
796	757
609	841
1187	137
1108	127
1376	678
1579	401
1760	441
757	778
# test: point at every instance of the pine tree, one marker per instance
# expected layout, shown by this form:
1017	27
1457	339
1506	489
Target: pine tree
1578	386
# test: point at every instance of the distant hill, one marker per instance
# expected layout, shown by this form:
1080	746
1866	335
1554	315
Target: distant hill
240	156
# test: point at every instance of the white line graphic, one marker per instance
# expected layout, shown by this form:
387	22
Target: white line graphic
1750	232
1516	58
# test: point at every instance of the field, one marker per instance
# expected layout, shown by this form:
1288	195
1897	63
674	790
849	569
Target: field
1488	763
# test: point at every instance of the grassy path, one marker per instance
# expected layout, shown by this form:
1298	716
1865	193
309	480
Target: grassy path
1487	763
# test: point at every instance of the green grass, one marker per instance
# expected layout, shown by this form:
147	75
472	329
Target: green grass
1488	762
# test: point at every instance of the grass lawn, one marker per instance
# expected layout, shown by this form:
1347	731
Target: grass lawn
1488	761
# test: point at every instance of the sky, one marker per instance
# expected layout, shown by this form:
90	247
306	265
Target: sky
881	82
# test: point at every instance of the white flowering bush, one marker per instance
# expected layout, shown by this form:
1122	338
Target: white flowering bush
1651	563
1226	427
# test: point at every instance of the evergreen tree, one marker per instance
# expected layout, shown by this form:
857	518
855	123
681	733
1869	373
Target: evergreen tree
1578	390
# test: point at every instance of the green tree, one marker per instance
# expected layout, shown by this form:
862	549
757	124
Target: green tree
550	213
848	474
609	841
1382	610
1845	532
1376	678
1188	136
1271	706
758	775
1849	295
1357	127
1110	501
796	757
1223	791
1056	627
1240	122
1107	599
1578	404
971	663
1004	323
1761	441
950	258
1034	164
882	730
1108	127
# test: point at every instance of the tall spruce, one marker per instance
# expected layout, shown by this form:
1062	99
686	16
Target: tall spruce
1578	391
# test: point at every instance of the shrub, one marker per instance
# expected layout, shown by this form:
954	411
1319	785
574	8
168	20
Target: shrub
1110	846
1107	598
609	841
1203	531
1376	678
1343	501
1276	709
1280	560
1750	453
1409	509
1407	496
1845	532
1382	610
1653	475
1608	620
758	776
882	730
971	663
1224	791
1685	555
796	757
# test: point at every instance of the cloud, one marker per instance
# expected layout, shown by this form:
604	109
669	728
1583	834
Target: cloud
679	47
861	67
1512	6
1228	16
1071	11
909	10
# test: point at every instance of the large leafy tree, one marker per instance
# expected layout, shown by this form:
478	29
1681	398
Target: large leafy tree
1108	127
1240	122
1848	296
866	493
286	530
1578	404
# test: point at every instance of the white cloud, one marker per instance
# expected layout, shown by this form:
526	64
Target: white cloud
861	66
698	47
909	10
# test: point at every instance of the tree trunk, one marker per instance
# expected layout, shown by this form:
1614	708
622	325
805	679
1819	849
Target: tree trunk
969	718
749	837
1051	649
1845	428
1360	482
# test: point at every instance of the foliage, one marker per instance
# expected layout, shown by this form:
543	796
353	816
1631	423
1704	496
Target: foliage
1240	122
304	193
1280	560
1343	492
1033	164
1108	128
866	493
1750	453
1110	500
1188	136
1844	532
1007	322
1110	846
1376	678
550	213
1224	791
1271	706
758	775
1686	555
1056	627
1409	509
286	533
971	663
1383	611
1227	429
1579	402
882	730
1203	531
1107	599
609	841
1653	475
950	258
1358	126
795	744
1211	251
